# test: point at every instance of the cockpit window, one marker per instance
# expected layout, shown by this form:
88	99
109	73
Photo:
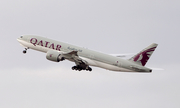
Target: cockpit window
21	36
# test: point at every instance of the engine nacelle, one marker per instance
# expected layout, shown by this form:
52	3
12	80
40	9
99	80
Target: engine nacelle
54	56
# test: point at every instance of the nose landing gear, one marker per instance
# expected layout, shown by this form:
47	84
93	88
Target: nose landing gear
25	50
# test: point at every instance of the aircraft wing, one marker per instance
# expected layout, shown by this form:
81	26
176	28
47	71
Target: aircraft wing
73	56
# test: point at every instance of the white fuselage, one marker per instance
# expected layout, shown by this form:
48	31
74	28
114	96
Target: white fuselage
92	58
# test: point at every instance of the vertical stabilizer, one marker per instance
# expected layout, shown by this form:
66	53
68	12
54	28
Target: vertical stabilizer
142	57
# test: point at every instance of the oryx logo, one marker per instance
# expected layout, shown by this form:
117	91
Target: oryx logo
144	56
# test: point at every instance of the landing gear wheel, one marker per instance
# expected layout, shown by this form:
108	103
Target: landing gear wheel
24	51
78	68
89	69
74	68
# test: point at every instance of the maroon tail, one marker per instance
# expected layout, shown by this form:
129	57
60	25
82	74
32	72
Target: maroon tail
143	56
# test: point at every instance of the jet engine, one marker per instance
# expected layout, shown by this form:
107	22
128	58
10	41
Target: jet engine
54	56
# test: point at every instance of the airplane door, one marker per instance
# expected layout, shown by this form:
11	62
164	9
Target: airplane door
118	63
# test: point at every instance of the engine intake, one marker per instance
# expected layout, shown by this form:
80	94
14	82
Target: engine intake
54	56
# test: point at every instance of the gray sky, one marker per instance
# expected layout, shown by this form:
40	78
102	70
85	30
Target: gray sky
108	26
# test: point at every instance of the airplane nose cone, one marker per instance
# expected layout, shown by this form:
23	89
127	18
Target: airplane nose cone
18	39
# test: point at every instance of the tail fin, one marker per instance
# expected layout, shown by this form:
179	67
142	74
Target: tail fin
142	57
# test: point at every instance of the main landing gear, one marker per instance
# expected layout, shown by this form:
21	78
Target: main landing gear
25	50
80	68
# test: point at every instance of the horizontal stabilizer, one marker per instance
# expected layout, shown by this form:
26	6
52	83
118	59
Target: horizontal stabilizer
122	55
156	68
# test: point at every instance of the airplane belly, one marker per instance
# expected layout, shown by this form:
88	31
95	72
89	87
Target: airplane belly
89	61
105	65
112	67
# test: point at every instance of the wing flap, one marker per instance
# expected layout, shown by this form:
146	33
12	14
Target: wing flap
73	56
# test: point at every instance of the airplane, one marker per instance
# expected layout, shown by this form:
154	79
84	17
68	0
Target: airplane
84	58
